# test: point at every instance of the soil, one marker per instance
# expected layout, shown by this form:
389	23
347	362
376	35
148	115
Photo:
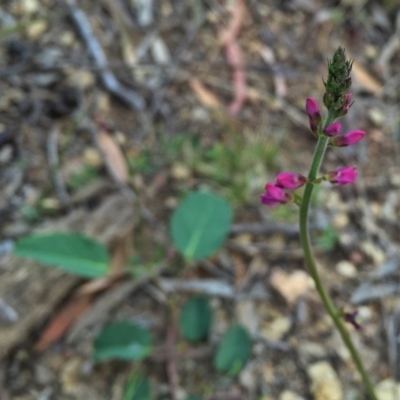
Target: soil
185	95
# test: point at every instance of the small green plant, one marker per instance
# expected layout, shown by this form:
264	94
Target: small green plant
328	239
199	226
82	177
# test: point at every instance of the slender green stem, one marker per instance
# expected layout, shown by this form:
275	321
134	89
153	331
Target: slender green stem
312	267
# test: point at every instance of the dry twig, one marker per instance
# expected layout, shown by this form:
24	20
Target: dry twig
108	79
52	154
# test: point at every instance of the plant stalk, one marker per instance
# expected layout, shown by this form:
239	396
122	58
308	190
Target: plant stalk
335	314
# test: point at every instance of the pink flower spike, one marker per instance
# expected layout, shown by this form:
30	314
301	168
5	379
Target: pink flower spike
349	138
274	195
333	129
312	108
290	180
343	176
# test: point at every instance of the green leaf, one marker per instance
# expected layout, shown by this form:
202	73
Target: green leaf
195	319
192	398
200	224
71	252
122	340
233	351
137	389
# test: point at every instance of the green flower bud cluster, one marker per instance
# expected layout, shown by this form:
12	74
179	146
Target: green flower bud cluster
338	84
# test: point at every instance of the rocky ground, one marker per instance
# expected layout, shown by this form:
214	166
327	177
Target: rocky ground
111	110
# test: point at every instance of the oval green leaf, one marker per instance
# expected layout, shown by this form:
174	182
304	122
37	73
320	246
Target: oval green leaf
122	340
71	252
195	319
138	388
233	351
200	224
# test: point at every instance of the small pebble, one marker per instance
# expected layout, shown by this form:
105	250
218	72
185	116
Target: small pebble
325	384
92	157
37	29
180	172
373	251
376	116
50	203
288	395
388	389
346	269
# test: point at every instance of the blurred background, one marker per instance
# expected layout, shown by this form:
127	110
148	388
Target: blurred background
111	111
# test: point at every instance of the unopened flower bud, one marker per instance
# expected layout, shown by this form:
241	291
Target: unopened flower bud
312	107
274	195
345	106
347	101
290	180
314	113
333	129
343	176
348	139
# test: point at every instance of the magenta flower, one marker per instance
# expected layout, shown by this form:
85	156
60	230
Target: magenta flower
312	108
348	139
333	129
343	176
274	195
290	180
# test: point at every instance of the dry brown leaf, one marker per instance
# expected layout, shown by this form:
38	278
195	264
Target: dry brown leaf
365	79
62	321
290	286
114	156
120	251
205	96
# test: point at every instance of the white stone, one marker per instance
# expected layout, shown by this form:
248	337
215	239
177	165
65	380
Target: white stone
346	269
325	384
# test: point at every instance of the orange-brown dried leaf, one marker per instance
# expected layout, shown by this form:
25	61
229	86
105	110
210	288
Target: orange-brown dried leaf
62	321
204	95
95	286
114	156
